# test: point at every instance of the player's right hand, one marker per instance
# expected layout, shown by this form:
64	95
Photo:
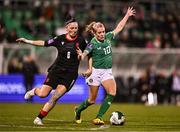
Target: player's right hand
131	11
21	40
79	52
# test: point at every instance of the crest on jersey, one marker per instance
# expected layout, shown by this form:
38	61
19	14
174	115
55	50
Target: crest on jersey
62	43
90	80
108	41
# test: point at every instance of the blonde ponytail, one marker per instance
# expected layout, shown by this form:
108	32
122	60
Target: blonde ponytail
93	26
90	29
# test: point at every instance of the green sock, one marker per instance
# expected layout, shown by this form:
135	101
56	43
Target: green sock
105	105
83	106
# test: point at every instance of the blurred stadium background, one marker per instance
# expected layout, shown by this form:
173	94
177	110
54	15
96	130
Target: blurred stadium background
146	54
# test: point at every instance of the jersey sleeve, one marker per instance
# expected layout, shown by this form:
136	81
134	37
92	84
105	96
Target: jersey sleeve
110	35
89	48
52	42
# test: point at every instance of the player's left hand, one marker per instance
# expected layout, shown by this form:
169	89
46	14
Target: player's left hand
21	40
131	11
87	73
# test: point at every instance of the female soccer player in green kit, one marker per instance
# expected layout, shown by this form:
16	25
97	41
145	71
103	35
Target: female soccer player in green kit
100	49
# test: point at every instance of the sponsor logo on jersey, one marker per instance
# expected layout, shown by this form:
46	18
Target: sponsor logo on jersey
99	48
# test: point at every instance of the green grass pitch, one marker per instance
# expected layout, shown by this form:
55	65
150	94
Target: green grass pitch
19	117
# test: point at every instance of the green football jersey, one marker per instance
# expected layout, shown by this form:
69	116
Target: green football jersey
101	52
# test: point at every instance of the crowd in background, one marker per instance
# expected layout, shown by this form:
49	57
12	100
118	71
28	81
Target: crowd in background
25	66
165	89
156	25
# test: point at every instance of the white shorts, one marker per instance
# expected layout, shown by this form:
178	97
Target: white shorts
98	76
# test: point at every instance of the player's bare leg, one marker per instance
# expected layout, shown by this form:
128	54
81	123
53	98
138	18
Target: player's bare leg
93	90
41	92
110	87
59	92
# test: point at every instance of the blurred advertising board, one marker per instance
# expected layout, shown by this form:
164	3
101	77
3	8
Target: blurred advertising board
12	89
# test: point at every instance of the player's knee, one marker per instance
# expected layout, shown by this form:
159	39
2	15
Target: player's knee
42	95
112	91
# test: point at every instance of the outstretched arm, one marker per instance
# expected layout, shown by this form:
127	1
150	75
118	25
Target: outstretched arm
122	23
88	72
32	42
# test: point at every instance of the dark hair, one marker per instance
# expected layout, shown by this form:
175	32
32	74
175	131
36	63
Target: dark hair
69	19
